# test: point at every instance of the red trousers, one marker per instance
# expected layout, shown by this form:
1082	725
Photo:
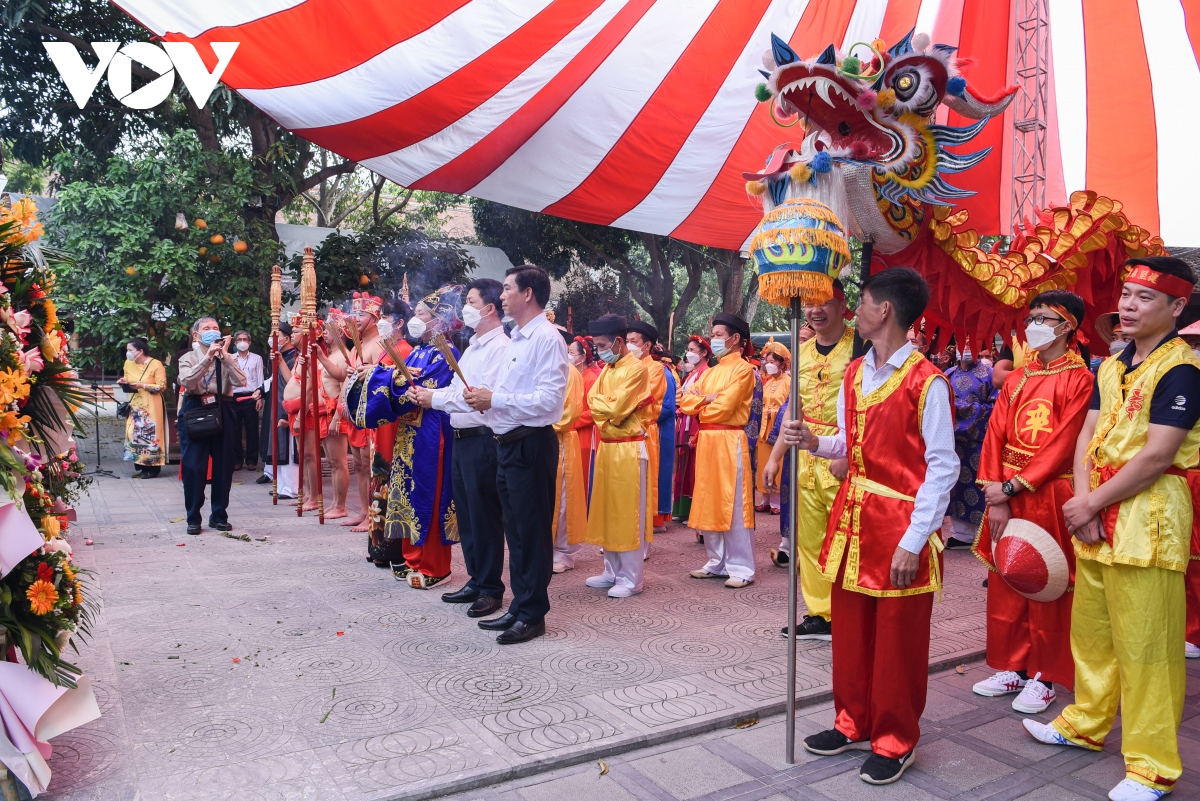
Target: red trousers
432	558
1029	635
1191	584
880	667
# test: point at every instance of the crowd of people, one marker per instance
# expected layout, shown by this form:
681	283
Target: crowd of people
535	440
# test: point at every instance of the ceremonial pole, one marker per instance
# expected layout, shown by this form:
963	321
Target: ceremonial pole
308	300
308	310
795	412
276	303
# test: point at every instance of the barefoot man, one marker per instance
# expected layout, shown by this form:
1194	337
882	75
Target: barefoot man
335	369
365	308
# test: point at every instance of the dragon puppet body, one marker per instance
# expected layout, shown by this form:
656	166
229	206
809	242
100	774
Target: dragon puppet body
874	155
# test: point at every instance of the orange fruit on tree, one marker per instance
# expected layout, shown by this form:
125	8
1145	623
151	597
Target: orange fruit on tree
203	250
216	239
214	258
363	280
130	270
240	247
200	223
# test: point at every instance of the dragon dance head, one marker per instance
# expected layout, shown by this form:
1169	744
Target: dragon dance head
871	150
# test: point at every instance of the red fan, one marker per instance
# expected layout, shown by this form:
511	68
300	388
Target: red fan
1031	561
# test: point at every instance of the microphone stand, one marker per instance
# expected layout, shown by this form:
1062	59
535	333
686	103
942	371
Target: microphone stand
97	471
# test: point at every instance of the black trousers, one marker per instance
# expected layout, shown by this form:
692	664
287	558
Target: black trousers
526	475
245	418
194	457
480	514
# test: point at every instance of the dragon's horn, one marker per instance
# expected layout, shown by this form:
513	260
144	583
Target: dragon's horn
903	46
782	52
829	56
974	107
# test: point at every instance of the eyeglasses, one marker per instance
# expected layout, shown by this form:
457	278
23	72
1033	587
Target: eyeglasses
1041	319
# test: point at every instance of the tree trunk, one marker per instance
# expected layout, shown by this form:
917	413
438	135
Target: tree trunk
731	276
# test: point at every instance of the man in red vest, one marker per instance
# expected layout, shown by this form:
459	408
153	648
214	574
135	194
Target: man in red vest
882	550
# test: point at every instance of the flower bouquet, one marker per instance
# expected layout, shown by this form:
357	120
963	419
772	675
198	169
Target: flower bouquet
42	606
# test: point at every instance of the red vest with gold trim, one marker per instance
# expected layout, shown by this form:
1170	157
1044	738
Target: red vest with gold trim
887	466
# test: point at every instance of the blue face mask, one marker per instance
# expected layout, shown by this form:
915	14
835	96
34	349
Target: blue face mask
608	356
209	337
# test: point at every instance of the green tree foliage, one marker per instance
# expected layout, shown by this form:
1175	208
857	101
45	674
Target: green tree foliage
587	293
136	274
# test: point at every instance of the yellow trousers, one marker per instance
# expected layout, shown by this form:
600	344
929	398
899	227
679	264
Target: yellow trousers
812	518
1127	629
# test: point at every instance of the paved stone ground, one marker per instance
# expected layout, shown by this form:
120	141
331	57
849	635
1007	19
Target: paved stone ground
287	666
971	748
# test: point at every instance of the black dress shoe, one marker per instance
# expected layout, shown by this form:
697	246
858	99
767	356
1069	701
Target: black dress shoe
521	632
485	605
263	479
461	596
220	526
502	623
193	529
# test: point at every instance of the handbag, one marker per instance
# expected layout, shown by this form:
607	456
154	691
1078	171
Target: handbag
204	422
123	407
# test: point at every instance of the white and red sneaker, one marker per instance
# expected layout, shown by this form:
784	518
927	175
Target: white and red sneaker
1005	682
1035	697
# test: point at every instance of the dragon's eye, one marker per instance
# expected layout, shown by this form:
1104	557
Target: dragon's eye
906	84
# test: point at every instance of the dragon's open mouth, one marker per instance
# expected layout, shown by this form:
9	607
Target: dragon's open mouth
829	102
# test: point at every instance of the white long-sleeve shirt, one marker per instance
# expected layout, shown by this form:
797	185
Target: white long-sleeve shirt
480	363
937	429
532	382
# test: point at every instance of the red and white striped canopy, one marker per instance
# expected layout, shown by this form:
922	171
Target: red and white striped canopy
641	113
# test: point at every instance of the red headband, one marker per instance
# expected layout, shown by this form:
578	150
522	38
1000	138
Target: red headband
1172	285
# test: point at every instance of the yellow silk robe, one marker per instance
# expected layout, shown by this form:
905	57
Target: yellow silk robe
820	380
656	392
775	393
713	502
614	513
570	465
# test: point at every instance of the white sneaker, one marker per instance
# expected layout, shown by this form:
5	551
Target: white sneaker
1002	683
738	583
1045	733
1130	790
600	582
621	591
1034	698
1191	651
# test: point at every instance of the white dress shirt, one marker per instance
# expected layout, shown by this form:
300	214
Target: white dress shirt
480	363
532	383
252	365
937	429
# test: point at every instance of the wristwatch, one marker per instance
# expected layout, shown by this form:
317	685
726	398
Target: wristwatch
1008	489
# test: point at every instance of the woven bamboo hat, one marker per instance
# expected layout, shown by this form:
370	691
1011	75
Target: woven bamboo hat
1031	561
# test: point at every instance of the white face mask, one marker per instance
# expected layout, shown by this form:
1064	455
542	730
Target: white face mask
1115	347
986	362
384	328
416	328
772	368
607	356
472	316
718	347
1040	335
636	351
131	354
693	358
242	347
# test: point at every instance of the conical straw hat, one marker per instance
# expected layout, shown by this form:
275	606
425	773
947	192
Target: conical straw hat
1031	561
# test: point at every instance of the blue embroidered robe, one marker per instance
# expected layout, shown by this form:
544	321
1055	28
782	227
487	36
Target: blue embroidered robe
420	493
666	445
974	397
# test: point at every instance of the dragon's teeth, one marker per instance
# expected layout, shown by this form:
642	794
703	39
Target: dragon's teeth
823	92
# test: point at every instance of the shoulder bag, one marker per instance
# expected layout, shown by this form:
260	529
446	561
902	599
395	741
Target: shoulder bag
204	422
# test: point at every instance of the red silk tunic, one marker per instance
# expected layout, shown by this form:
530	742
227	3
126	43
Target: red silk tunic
887	466
1031	440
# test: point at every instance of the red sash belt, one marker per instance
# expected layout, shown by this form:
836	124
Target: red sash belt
811	421
720	427
1110	513
638	438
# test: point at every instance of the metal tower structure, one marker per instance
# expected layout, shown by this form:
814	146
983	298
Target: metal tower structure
1031	109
